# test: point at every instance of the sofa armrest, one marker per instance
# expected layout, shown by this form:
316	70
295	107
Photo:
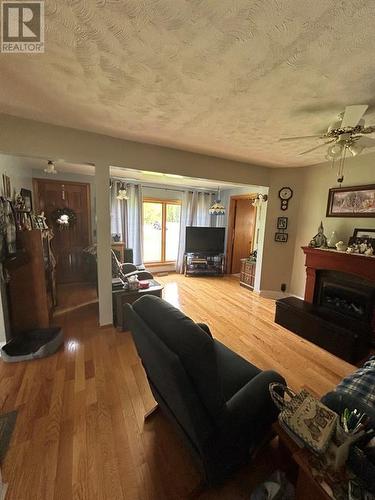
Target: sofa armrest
253	403
205	328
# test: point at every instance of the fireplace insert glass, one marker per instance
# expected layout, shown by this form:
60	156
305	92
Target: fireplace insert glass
346	294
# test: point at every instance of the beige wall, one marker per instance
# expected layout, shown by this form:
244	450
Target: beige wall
19	172
278	257
41	140
282	262
312	208
34	139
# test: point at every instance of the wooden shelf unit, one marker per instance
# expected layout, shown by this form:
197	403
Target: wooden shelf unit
247	274
31	288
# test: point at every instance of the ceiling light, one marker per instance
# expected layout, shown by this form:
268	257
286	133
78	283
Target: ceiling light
217	208
334	151
356	149
122	193
50	169
259	199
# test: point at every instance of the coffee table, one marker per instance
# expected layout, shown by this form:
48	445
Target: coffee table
312	481
121	297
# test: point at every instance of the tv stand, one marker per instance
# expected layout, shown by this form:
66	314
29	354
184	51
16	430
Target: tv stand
204	264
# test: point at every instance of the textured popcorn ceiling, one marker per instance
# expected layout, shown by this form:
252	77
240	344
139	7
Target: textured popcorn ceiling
222	77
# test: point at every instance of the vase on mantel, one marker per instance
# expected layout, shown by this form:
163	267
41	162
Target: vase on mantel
332	240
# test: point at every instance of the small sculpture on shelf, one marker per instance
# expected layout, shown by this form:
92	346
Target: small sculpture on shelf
361	247
332	240
340	246
320	239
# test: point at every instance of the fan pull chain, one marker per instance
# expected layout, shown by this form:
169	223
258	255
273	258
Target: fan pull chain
340	173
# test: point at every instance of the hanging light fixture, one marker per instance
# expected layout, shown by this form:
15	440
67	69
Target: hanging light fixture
122	192
259	200
217	208
50	169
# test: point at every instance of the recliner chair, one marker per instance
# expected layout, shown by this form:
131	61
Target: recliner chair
125	270
218	401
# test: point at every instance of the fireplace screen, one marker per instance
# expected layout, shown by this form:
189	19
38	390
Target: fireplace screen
344	300
346	294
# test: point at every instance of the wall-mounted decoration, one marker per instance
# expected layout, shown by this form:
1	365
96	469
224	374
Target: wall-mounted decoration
64	218
285	194
7	189
282	222
281	237
27	198
355	201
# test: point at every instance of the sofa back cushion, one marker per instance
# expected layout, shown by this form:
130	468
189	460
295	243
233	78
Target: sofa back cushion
194	348
168	378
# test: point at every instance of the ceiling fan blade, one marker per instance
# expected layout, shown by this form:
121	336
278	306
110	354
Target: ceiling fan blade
316	147
366	142
368	130
353	114
297	138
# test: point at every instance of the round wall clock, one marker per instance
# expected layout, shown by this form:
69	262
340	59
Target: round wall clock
285	194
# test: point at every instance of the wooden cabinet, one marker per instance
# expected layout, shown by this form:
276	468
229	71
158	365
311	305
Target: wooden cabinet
31	286
247	274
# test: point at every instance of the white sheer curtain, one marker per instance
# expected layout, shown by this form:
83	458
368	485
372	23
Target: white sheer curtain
194	212
135	222
127	219
186	219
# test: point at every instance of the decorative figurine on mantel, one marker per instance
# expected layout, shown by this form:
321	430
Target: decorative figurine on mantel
320	239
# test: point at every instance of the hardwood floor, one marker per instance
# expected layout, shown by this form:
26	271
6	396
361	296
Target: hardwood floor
73	296
80	431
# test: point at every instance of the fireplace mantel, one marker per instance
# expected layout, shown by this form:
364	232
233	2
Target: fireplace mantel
362	266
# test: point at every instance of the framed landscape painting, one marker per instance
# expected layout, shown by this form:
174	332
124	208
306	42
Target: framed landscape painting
356	201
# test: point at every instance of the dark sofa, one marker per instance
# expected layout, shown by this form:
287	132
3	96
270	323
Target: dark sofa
218	401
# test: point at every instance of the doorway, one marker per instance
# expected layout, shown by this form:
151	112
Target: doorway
241	230
68	243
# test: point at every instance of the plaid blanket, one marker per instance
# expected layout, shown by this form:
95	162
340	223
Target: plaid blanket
361	384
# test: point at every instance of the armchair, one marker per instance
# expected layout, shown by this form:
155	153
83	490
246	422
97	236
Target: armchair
126	269
219	402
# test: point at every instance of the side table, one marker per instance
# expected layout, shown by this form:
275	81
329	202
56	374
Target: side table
309	479
121	297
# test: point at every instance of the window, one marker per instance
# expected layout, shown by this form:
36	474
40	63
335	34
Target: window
161	227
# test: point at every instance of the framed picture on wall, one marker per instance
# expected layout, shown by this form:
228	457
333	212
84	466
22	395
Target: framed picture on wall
281	237
355	201
282	222
27	198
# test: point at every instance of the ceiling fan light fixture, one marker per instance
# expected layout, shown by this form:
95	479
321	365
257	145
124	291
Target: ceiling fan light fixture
334	151
356	149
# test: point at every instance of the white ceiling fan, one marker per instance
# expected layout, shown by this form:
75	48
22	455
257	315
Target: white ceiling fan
346	133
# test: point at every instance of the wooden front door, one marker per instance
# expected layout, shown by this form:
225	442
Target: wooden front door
241	232
68	243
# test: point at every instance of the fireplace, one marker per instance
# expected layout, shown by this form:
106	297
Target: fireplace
338	312
347	295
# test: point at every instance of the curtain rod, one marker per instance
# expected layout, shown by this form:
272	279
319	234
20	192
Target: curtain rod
162	188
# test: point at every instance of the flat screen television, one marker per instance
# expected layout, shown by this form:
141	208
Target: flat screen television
205	240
